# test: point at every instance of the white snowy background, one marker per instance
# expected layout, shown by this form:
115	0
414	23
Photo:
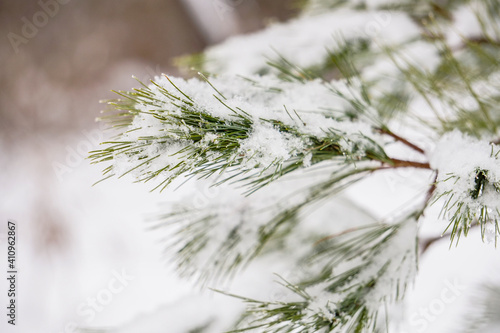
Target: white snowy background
73	239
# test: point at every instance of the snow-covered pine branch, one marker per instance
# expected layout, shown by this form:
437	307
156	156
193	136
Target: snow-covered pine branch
349	279
468	183
216	240
253	129
347	90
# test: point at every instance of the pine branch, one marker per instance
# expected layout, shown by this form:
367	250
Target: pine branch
327	105
215	242
346	292
402	140
202	138
469	188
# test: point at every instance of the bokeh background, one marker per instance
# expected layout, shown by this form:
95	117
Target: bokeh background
73	239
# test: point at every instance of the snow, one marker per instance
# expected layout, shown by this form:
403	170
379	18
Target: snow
267	145
459	154
458	158
302	43
260	96
95	231
449	279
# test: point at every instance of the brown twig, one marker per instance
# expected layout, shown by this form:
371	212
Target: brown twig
426	243
431	190
478	40
401	139
397	163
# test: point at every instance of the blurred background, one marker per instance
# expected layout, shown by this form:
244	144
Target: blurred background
85	254
58	59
